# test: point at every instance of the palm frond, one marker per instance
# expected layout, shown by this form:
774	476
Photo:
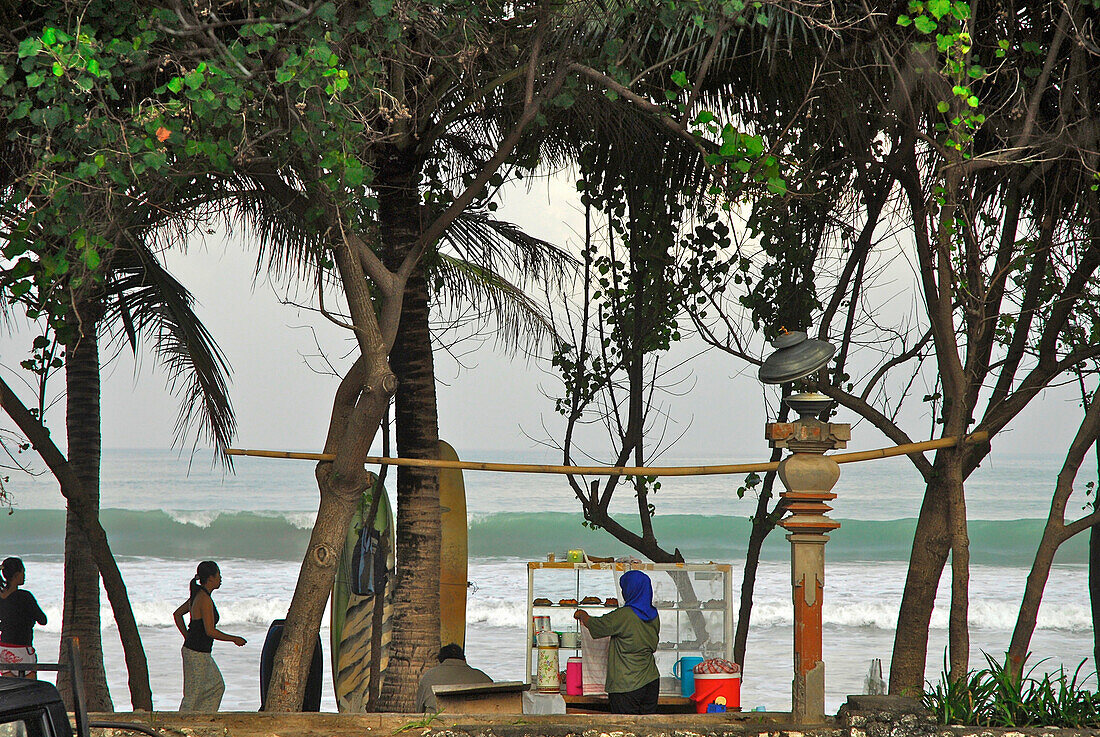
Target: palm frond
505	248
146	300
520	321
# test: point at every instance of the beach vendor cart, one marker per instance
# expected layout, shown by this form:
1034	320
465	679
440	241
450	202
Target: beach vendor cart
693	600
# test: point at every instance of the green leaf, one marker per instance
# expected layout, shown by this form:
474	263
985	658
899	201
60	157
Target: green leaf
91	258
564	100
49	36
924	24
175	84
905	20
704	116
29	47
381	7
193	79
938	8
20	110
85	170
942	106
680	79
972	101
35	79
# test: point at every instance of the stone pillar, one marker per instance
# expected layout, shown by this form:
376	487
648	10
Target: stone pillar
809	477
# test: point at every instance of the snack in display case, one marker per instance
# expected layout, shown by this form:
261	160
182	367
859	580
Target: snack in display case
567	602
542	602
591	601
611	601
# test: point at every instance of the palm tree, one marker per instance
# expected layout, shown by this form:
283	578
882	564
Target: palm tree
136	299
140	300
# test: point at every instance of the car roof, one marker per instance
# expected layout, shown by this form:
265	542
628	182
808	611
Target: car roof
19	694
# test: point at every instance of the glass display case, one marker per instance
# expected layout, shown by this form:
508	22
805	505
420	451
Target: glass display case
693	601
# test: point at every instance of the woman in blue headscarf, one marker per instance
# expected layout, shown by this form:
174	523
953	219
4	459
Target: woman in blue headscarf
633	682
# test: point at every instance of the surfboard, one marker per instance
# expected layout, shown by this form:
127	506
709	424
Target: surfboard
365	571
453	553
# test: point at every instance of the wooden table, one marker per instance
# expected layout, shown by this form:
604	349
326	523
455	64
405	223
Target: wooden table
666	704
481	698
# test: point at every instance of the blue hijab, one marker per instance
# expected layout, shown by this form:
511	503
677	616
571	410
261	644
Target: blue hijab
638	594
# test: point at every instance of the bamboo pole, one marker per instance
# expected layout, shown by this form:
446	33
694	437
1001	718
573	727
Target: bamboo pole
664	471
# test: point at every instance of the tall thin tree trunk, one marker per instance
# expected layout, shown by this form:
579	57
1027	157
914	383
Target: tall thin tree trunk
763	522
1094	591
415	643
931	544
80	618
958	620
761	528
1055	533
1094	569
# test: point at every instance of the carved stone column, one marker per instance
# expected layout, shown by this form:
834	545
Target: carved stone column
809	477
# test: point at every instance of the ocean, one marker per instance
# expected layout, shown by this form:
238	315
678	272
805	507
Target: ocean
164	513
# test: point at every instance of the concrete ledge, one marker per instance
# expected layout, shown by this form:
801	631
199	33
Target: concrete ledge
251	724
880	719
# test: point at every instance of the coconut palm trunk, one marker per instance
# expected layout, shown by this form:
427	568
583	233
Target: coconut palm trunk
416	594
80	618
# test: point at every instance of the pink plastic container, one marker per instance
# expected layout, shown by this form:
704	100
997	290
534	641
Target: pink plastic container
573	680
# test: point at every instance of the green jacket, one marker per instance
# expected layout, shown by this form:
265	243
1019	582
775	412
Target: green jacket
630	663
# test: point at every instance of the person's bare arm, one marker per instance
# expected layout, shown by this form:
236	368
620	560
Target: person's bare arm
206	607
581	616
178	617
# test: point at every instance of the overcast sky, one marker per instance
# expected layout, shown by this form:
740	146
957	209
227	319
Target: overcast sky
494	402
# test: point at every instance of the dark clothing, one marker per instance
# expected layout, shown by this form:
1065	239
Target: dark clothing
630	664
639	701
197	639
451	672
18	613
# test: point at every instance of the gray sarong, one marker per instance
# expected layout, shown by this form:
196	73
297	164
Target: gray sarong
202	682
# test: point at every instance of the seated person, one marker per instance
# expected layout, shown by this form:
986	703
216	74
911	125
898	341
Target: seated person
451	671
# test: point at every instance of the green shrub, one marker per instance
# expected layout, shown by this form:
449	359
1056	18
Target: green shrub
994	697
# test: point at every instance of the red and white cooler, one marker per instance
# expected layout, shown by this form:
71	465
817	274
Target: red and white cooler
717	681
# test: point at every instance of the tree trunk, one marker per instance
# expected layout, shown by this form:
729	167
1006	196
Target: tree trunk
1033	596
358	410
80	615
1094	570
1094	591
931	544
415	643
1055	533
762	525
958	621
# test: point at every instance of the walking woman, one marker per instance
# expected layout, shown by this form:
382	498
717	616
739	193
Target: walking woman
18	613
633	682
202	681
